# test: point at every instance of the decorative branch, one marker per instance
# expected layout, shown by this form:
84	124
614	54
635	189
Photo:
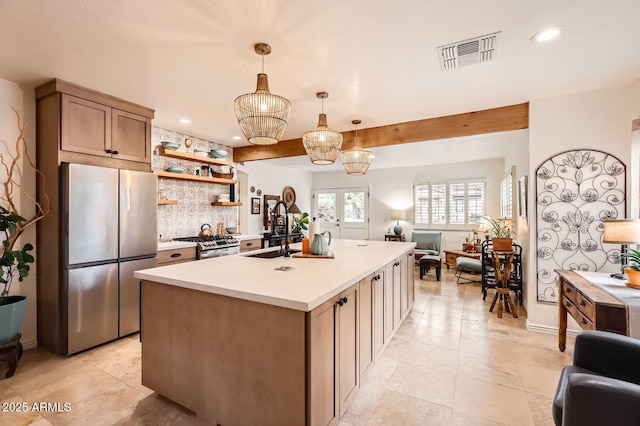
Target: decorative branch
12	224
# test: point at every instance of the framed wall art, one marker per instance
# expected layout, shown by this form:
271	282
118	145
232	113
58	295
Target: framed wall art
255	205
523	185
269	202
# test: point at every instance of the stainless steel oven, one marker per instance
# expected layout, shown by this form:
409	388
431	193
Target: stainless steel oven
216	246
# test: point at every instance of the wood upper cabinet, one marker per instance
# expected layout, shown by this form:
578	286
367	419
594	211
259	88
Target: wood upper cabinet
93	126
130	136
86	126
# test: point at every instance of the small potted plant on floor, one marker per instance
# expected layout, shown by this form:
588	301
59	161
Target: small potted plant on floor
632	269
501	233
15	257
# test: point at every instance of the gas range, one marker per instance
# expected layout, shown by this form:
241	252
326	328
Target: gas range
216	246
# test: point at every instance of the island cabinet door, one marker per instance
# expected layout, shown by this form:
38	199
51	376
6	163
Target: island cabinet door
378	312
367	309
388	301
397	292
322	355
348	346
409	278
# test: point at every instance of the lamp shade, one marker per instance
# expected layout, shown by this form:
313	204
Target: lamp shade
398	214
294	209
262	116
621	231
356	161
322	144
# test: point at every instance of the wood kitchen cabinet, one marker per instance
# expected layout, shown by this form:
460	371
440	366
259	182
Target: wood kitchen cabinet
173	256
379	339
90	127
393	296
408	283
93	128
334	356
371	319
250	245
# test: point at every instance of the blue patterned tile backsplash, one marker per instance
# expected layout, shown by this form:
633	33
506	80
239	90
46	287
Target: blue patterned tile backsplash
194	198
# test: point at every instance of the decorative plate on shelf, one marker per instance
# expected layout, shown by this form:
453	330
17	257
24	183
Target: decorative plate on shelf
288	196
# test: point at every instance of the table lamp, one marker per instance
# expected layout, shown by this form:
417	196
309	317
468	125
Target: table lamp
398	215
621	231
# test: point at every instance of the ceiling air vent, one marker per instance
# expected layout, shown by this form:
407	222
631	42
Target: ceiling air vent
469	52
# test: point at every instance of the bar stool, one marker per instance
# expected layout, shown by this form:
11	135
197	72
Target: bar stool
502	263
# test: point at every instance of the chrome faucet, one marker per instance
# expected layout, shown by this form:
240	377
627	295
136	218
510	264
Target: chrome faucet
286	225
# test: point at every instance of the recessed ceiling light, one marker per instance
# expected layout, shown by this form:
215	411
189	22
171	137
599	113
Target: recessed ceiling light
546	34
185	120
237	138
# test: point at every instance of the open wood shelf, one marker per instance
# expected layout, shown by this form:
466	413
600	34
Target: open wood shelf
226	203
193	157
167	202
181	176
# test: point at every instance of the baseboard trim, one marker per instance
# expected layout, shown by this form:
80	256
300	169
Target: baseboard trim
547	329
29	344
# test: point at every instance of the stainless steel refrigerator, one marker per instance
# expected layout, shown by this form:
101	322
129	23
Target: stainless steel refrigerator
110	231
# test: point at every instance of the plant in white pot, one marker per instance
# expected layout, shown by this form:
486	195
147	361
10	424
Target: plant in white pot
15	257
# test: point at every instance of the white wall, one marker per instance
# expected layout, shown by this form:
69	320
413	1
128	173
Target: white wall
12	95
518	157
392	189
271	180
599	120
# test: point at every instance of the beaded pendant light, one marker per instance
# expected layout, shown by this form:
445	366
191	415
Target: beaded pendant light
356	161
262	116
322	144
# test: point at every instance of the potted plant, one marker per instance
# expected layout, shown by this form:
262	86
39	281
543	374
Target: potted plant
632	269
300	223
468	244
15	257
501	233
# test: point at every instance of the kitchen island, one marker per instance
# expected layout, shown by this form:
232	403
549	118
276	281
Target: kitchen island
248	340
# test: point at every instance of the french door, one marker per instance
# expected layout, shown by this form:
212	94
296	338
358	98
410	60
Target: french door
342	211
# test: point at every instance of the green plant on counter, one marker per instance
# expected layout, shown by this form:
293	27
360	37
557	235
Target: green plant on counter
300	223
633	256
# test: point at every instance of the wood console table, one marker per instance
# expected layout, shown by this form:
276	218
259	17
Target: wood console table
394	237
451	255
591	307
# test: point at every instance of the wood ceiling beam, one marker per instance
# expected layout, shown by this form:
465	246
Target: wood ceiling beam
513	117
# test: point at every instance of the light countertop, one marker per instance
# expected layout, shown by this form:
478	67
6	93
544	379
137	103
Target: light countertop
308	284
172	245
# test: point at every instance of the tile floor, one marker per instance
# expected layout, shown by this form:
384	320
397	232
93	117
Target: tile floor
451	363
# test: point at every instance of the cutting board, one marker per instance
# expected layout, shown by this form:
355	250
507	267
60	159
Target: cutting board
317	256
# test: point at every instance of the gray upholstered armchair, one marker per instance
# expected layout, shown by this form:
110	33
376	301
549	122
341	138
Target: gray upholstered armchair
427	242
602	387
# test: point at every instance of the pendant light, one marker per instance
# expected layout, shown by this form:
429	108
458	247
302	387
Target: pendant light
262	116
322	144
356	161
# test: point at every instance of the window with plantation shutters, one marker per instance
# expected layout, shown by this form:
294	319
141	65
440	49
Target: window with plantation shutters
450	204
421	203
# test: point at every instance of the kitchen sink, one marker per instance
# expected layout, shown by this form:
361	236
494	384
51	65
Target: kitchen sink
271	254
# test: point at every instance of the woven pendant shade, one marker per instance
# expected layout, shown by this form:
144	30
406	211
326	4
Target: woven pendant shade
262	116
356	161
322	144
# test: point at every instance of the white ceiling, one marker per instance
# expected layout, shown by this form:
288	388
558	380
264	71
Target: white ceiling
376	58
